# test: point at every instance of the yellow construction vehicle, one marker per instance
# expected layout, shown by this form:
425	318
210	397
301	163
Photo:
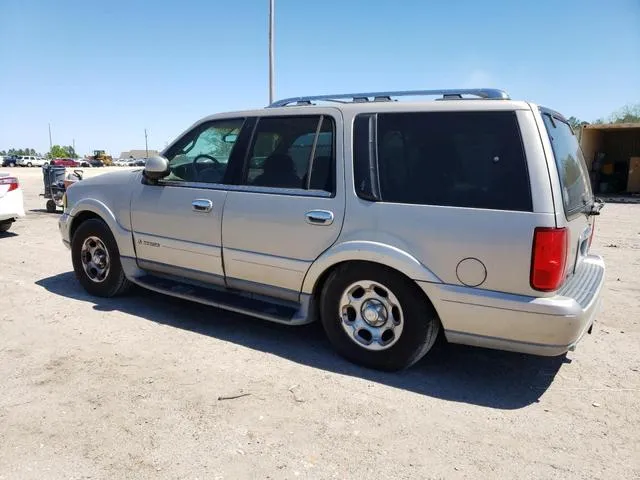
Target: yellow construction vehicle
107	160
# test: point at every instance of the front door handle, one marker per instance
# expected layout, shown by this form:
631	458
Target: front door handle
319	217
202	205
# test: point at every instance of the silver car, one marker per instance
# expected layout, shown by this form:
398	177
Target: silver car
387	221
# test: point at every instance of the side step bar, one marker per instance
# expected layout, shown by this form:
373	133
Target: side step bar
288	314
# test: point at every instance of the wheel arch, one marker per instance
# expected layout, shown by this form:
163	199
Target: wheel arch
92	208
80	218
366	251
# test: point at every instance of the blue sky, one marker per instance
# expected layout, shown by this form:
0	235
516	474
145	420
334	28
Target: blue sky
102	71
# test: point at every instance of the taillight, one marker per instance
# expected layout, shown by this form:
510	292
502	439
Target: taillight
548	258
11	181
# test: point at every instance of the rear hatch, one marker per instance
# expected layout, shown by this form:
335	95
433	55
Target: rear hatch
579	205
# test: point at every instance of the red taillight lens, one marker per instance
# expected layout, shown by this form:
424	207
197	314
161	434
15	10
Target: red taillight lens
548	258
11	181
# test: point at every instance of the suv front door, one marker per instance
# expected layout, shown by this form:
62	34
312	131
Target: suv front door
177	223
289	206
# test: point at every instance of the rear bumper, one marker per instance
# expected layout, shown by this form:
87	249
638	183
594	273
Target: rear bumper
540	326
12	205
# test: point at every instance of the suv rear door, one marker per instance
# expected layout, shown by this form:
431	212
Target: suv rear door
289	206
575	187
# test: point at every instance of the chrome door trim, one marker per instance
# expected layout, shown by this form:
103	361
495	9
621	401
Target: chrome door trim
180	272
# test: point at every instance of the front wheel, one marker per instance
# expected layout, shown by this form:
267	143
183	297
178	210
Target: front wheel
376	317
51	206
96	260
5	226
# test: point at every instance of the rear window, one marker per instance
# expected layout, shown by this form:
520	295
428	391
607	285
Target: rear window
462	159
574	181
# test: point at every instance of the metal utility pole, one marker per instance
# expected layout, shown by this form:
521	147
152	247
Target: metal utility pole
271	32
146	146
73	141
50	143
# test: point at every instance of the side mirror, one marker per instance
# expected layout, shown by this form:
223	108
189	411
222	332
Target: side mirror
156	168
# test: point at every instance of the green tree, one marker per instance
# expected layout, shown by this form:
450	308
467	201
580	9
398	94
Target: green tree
628	114
58	152
71	153
575	123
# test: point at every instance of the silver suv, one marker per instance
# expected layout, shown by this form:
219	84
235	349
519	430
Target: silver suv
387	221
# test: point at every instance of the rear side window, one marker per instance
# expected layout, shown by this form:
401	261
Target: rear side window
574	181
462	159
286	149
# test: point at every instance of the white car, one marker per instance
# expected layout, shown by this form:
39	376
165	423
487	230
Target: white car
11	202
31	161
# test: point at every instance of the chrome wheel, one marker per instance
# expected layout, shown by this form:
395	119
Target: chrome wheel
95	259
371	315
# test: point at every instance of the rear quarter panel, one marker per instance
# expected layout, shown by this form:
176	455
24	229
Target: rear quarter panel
440	237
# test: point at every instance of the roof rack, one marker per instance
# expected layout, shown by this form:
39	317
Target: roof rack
448	94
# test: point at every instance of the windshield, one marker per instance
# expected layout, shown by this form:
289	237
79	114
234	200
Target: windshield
574	179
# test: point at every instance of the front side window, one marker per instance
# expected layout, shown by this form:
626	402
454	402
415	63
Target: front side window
286	149
461	159
574	180
203	154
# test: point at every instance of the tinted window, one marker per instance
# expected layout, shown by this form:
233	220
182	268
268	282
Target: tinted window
572	170
463	159
285	149
202	155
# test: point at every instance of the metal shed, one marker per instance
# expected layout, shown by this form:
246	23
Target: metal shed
612	154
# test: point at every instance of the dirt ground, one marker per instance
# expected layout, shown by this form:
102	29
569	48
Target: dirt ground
134	387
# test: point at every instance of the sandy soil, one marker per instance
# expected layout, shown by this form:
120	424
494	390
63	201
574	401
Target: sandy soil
130	388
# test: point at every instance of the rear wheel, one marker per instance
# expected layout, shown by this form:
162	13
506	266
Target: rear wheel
5	226
376	317
29	164
51	206
96	260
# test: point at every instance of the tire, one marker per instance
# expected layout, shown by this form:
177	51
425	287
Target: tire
414	314
113	282
5	226
29	164
51	206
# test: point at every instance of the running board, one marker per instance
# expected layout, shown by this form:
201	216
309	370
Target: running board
245	304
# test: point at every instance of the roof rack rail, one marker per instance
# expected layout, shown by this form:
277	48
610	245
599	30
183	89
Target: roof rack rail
483	93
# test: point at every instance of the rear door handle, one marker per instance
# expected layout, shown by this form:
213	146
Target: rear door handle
202	205
319	217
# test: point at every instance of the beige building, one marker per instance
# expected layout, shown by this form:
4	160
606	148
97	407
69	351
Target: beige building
136	154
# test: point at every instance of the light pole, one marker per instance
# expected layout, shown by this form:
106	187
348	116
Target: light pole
271	28
50	144
146	146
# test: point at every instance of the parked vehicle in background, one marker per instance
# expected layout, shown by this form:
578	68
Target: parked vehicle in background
10	161
100	155
11	201
65	162
31	161
94	162
387	221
